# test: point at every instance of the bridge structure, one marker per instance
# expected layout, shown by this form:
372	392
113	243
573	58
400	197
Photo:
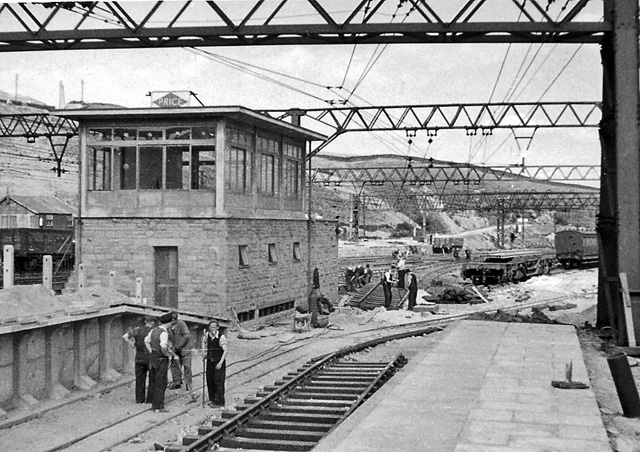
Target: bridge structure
611	24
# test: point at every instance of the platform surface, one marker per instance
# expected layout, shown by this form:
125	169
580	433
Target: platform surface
486	387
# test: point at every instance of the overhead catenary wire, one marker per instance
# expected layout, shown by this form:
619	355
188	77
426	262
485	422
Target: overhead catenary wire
239	66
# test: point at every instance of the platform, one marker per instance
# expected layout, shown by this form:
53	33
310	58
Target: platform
486	387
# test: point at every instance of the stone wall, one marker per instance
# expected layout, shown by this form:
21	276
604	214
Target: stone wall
211	279
49	357
127	247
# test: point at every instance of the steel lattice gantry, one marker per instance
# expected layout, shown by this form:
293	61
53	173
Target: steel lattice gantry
473	118
497	201
109	25
31	126
467	174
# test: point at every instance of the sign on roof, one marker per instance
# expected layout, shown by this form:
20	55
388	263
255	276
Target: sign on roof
170	99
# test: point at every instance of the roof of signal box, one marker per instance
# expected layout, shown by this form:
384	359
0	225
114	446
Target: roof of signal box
238	113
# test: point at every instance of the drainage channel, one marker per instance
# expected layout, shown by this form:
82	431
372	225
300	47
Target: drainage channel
297	411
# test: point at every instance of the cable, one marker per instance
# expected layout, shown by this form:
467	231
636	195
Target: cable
238	66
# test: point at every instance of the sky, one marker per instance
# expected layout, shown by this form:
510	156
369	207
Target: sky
403	74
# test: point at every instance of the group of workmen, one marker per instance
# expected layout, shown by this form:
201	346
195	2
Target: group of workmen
358	276
401	276
165	344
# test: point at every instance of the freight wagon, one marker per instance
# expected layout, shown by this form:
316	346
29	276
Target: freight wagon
447	244
503	266
31	245
576	248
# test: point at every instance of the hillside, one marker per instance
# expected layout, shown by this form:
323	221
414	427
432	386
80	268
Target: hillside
27	168
331	201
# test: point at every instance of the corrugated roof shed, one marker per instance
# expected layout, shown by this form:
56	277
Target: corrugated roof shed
42	204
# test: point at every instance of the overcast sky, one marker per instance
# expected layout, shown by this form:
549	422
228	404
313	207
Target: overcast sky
401	75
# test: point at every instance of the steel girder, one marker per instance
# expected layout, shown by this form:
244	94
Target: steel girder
477	118
499	201
37	125
463	173
115	25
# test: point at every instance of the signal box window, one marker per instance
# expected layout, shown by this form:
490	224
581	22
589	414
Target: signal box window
273	256
174	161
125	172
243	259
49	221
203	168
151	168
99	168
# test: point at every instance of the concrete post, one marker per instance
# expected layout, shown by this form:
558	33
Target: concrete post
47	272
112	280
81	276
138	290
107	372
21	395
54	389
81	380
8	267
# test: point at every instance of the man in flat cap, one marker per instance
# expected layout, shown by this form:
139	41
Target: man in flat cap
182	345
135	337
157	342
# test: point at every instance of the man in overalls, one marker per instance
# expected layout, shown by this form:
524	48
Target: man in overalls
157	342
214	343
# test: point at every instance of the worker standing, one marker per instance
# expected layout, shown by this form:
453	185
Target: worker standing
135	337
157	343
182	346
387	283
413	288
214	344
402	271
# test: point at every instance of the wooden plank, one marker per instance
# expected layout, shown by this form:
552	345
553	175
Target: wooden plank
626	302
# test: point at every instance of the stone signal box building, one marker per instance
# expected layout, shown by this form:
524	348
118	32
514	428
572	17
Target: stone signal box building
206	205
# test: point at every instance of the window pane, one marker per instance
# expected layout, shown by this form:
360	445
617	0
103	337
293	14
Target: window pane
292	178
203	176
125	134
204	133
243	259
125	171
99	161
267	174
174	167
273	256
151	168
238	170
178	133
99	135
150	135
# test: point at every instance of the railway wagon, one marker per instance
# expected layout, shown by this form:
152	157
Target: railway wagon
30	245
503	266
447	244
576	248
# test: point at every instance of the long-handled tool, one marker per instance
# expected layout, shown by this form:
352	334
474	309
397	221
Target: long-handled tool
204	372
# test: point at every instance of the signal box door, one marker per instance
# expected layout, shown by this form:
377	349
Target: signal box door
166	271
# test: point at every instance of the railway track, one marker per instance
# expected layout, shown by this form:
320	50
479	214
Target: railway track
299	410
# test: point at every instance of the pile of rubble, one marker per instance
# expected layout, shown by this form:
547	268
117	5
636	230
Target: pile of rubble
537	316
